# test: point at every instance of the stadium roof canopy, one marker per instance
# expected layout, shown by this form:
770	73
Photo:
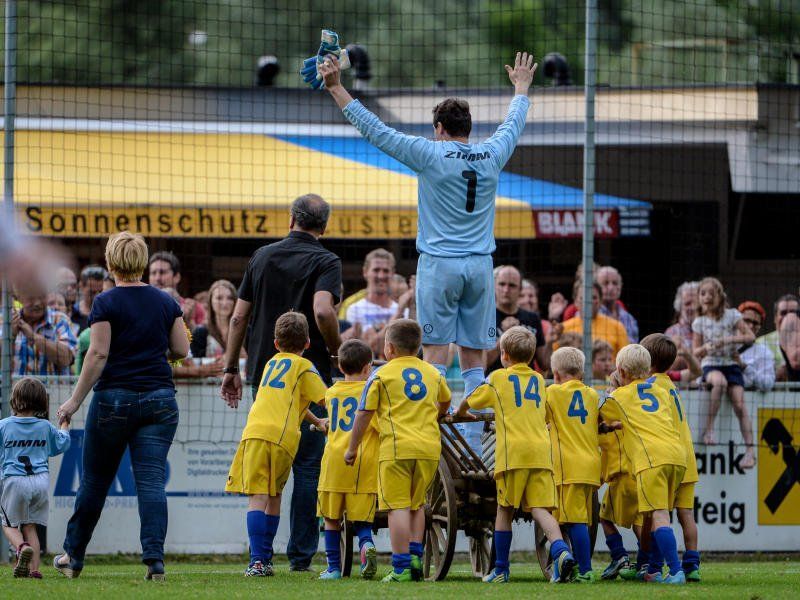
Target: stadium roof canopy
172	180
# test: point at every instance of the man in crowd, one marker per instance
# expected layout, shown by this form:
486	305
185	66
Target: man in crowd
610	282
264	295
785	305
789	337
374	311
90	284
603	327
67	286
507	287
43	340
164	272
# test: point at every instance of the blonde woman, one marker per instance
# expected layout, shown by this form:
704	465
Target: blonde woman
135	330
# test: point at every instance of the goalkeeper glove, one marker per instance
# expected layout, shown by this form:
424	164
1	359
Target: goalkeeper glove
329	46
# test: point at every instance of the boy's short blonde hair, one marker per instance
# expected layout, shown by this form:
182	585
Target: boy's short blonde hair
126	255
568	361
519	344
405	335
634	359
291	332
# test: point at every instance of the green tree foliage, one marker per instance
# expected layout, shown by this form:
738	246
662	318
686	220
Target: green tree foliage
412	43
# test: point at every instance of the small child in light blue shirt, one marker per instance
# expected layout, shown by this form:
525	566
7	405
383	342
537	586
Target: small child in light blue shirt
26	444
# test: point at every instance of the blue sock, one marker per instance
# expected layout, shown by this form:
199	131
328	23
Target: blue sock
442	369
614	543
665	539
269	536
691	561
581	546
401	562
472	379
256	530
502	548
333	550
364	533
557	547
416	549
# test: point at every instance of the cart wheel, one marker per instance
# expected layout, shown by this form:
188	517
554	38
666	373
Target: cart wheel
593	526
346	546
441	525
481	552
542	551
543	546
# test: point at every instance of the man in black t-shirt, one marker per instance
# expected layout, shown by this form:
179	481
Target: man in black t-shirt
507	285
296	273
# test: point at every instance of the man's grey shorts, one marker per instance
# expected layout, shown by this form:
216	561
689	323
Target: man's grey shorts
25	499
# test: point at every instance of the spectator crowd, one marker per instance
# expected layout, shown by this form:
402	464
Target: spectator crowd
721	345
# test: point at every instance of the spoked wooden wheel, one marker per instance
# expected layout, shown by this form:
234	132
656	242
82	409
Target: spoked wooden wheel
346	546
542	550
481	552
593	526
441	525
543	546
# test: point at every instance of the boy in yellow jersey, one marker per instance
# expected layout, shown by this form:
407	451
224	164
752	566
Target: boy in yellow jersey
409	396
574	411
620	505
653	446
351	490
662	354
290	383
523	458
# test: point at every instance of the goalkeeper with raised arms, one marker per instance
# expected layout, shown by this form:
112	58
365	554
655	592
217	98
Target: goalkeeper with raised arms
455	228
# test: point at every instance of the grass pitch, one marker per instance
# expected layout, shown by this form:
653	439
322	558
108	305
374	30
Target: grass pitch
749	580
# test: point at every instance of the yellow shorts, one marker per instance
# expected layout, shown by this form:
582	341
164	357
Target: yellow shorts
685	496
359	507
403	483
657	487
259	467
575	503
526	489
621	502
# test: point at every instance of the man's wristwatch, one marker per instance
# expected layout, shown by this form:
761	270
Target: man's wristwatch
231	370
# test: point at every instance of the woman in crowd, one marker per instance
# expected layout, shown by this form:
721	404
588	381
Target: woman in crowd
685	305
209	340
758	366
135	330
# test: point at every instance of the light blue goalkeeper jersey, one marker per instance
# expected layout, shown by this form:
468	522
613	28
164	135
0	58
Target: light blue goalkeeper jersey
457	182
27	442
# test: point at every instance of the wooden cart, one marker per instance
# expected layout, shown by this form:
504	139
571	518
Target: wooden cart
463	496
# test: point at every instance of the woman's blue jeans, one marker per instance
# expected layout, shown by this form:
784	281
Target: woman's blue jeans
118	419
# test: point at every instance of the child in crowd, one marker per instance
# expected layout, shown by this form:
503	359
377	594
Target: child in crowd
574	409
662	354
717	333
270	438
524	464
408	395
26	443
654	447
349	489
602	360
